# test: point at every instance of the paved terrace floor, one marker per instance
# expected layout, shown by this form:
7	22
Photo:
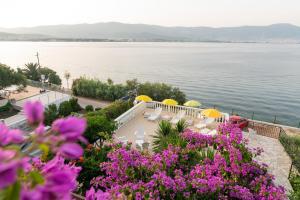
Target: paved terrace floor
274	155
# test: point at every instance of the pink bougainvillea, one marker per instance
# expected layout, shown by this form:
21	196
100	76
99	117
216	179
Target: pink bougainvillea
205	167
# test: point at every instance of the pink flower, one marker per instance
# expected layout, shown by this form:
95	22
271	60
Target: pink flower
34	112
10	136
71	150
70	128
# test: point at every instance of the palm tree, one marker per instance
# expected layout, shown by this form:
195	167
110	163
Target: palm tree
67	76
32	71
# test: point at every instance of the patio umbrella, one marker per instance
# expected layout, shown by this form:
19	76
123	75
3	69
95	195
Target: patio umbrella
211	113
144	98
192	103
170	102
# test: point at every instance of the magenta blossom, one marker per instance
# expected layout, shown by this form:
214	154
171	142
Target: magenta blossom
34	112
10	136
99	195
70	128
71	150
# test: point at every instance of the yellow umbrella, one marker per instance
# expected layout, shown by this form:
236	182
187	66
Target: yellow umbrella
211	113
192	103
144	98
170	102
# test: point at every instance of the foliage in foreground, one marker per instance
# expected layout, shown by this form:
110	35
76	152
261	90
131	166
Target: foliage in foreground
205	167
109	91
25	174
9	77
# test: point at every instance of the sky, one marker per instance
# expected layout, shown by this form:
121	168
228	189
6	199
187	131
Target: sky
215	13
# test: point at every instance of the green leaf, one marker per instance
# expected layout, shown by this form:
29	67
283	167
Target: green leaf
45	149
12	192
36	177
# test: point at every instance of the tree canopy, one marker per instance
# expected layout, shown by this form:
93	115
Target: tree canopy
33	72
9	76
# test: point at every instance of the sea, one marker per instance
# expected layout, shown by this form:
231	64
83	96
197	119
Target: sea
255	80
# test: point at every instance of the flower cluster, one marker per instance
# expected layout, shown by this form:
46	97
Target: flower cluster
207	167
26	172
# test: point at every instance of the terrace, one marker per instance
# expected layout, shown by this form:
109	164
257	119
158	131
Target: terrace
274	155
134	120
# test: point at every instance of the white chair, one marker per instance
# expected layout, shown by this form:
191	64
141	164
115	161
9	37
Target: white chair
204	123
213	132
155	115
140	133
123	139
252	135
180	115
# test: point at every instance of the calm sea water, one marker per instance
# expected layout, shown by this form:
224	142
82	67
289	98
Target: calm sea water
259	78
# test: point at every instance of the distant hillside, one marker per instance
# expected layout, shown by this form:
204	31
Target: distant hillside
142	32
21	37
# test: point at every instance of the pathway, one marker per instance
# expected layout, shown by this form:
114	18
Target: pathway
274	156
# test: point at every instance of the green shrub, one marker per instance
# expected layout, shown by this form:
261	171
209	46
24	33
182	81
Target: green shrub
291	145
89	108
295	182
7	107
51	114
116	108
65	109
90	165
99	127
166	135
74	105
109	91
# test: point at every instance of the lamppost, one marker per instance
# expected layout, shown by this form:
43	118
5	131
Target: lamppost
43	80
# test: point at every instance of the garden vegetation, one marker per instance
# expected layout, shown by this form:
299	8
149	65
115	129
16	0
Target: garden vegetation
95	88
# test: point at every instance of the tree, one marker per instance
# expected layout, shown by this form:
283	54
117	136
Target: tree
67	76
10	77
31	71
50	75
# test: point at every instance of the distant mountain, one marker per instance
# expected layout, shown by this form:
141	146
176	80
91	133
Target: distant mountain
21	37
142	32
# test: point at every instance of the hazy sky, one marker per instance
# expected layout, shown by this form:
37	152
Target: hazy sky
161	12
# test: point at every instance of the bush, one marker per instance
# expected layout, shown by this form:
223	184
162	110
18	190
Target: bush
90	165
65	108
161	91
74	105
99	127
89	108
109	91
291	145
9	76
166	135
7	107
97	89
295	182
51	114
116	108
207	167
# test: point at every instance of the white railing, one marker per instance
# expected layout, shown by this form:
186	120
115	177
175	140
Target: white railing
140	107
130	114
189	111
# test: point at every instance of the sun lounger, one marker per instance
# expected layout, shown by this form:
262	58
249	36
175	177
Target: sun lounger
204	123
123	139
155	115
140	133
180	115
